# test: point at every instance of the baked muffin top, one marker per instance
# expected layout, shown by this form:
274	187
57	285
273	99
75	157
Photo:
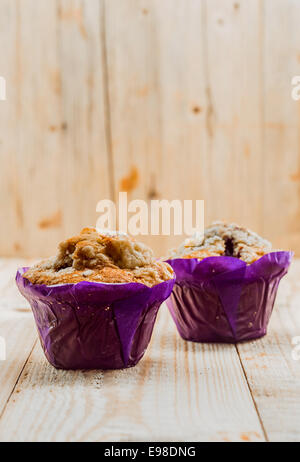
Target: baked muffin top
223	239
110	258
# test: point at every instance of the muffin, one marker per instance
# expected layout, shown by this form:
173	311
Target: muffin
95	303
226	284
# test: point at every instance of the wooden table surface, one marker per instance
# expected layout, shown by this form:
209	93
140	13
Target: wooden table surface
180	391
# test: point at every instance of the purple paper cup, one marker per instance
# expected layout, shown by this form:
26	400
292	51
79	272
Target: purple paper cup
92	325
222	299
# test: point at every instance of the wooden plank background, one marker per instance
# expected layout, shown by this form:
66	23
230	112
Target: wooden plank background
165	99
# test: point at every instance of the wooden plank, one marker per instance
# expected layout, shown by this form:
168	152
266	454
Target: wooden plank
83	104
272	373
179	392
234	91
7	272
19	333
180	125
16	328
9	197
11	299
8	269
53	140
178	384
157	93
282	117
30	150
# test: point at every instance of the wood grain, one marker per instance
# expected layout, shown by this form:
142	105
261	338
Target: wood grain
11	299
172	99
16	328
234	41
158	107
54	153
19	334
272	373
85	175
281	128
179	392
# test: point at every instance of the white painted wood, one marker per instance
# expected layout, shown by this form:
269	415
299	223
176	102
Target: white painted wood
19	334
273	374
179	392
11	299
17	329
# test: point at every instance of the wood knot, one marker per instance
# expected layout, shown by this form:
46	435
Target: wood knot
197	109
131	181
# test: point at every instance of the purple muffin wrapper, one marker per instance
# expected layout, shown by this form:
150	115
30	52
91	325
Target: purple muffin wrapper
222	299
92	325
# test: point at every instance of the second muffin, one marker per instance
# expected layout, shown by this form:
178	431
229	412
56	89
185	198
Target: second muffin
226	284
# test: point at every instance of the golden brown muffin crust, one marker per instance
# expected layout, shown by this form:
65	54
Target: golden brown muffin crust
96	257
222	239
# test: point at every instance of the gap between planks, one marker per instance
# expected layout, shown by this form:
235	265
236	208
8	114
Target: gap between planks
253	399
17	380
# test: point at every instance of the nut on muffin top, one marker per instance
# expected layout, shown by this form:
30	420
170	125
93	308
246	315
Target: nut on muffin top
224	239
108	258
